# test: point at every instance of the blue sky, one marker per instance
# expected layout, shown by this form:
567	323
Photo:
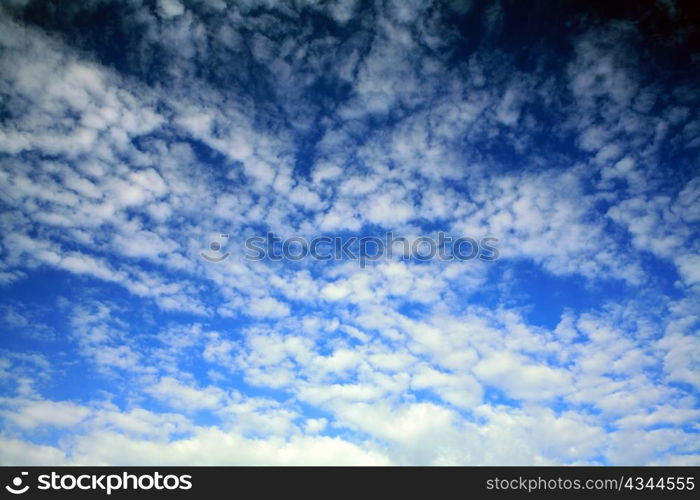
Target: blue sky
133	134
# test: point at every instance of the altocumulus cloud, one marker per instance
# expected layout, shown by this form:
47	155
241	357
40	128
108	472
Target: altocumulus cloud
133	134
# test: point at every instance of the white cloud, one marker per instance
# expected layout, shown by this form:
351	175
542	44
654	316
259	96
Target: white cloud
185	397
522	380
32	414
170	8
268	307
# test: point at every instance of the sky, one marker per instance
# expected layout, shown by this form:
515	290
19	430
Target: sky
136	133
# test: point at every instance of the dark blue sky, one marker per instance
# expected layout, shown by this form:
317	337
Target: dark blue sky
134	134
